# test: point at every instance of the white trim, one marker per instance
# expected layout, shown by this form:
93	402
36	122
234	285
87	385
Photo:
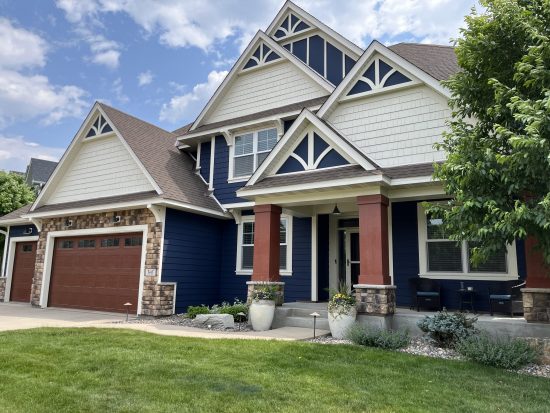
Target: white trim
4	255
162	216
211	172
11	262
281	51
289	242
198	163
314	252
238	205
360	65
50	248
354	50
511	259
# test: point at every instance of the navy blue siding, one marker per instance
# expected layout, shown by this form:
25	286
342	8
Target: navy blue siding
224	191
406	265
332	158
291	165
205	160
323	256
19	231
317	54
231	285
192	245
334	64
298	286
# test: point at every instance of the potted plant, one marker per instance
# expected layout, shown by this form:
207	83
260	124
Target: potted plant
341	311
262	308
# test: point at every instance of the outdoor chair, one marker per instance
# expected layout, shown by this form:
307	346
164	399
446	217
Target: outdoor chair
506	297
426	293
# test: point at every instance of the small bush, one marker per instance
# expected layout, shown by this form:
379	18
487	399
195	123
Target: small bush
376	337
506	353
195	310
446	329
233	309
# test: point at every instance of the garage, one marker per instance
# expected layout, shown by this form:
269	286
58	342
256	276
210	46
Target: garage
99	272
23	271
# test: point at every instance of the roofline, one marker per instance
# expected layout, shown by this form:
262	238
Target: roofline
377	47
260	36
348	44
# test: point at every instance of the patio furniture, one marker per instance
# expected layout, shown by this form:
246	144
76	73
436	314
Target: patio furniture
426	293
506	297
467	297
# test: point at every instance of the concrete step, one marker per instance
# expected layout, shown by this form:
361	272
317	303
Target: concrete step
304	312
287	319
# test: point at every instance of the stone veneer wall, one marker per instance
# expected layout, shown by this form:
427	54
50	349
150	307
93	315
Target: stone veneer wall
536	304
2	288
158	298
376	300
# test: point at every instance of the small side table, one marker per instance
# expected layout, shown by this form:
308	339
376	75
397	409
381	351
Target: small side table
467	297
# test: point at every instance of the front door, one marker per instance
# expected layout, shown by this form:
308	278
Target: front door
349	256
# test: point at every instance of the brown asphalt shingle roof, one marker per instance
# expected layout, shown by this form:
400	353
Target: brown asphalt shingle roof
436	60
16	214
172	170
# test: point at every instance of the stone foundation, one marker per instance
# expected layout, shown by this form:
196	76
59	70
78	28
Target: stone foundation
158	298
536	304
375	299
544	345
256	285
2	288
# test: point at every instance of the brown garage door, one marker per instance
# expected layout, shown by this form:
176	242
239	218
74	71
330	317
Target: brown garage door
96	272
23	271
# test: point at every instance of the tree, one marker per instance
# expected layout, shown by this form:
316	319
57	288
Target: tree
14	192
498	143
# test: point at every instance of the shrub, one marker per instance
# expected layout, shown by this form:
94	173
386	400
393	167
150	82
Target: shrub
376	337
237	307
194	310
446	329
506	353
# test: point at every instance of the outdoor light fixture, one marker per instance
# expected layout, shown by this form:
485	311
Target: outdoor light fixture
335	211
116	219
68	223
127	305
315	315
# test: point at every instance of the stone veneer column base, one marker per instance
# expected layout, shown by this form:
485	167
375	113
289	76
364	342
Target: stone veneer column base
2	288
375	299
536	304
256	285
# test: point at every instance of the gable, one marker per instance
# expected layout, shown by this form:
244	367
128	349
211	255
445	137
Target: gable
311	153
379	75
269	86
102	167
261	56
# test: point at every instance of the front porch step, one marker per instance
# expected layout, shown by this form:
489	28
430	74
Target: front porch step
300	317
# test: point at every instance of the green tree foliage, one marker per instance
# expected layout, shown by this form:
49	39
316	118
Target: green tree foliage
498	145
14	192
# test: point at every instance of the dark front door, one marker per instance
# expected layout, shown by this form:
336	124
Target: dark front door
23	271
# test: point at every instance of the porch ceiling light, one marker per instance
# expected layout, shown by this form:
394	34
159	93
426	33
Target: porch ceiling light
335	211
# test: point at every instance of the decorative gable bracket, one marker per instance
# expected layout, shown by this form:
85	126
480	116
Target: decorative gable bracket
99	127
290	25
379	75
261	56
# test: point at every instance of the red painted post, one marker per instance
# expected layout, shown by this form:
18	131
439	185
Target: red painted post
373	240
266	243
538	273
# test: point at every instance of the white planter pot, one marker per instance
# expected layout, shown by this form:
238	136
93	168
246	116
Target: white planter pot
340	323
261	314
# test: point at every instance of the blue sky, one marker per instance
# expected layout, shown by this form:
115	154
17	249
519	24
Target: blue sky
159	60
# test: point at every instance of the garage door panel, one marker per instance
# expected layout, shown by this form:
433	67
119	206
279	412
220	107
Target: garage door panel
100	278
23	271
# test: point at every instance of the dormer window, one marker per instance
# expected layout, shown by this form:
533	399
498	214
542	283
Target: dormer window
250	150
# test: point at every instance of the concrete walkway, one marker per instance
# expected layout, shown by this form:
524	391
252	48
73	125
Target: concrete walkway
15	316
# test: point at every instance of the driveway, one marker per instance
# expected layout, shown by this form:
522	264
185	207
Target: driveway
15	316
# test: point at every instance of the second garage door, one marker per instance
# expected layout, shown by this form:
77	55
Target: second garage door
96	272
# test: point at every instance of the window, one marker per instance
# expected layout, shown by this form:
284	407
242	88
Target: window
443	258
250	150
245	248
109	242
27	248
133	242
86	243
66	244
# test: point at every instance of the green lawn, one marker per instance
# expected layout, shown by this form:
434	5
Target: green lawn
93	370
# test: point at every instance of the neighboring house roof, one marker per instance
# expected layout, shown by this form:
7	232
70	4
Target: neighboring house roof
39	170
172	170
438	61
15	215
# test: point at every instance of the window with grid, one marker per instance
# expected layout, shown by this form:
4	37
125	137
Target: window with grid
251	149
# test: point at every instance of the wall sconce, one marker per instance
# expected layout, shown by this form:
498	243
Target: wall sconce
28	231
68	223
336	211
117	219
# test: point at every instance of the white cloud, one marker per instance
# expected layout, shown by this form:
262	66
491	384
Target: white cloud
145	78
104	52
76	10
118	91
185	107
16	153
20	48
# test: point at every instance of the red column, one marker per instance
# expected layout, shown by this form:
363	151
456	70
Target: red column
266	243
373	240
538	273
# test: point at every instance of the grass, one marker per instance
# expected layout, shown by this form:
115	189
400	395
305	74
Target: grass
94	370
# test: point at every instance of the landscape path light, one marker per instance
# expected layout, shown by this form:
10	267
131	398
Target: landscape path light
127	305
314	315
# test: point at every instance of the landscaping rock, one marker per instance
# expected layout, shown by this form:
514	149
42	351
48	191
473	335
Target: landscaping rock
214	320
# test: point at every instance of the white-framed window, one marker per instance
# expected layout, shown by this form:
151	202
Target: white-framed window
245	245
249	150
442	258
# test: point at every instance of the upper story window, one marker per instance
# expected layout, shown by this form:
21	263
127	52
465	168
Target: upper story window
441	257
250	150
